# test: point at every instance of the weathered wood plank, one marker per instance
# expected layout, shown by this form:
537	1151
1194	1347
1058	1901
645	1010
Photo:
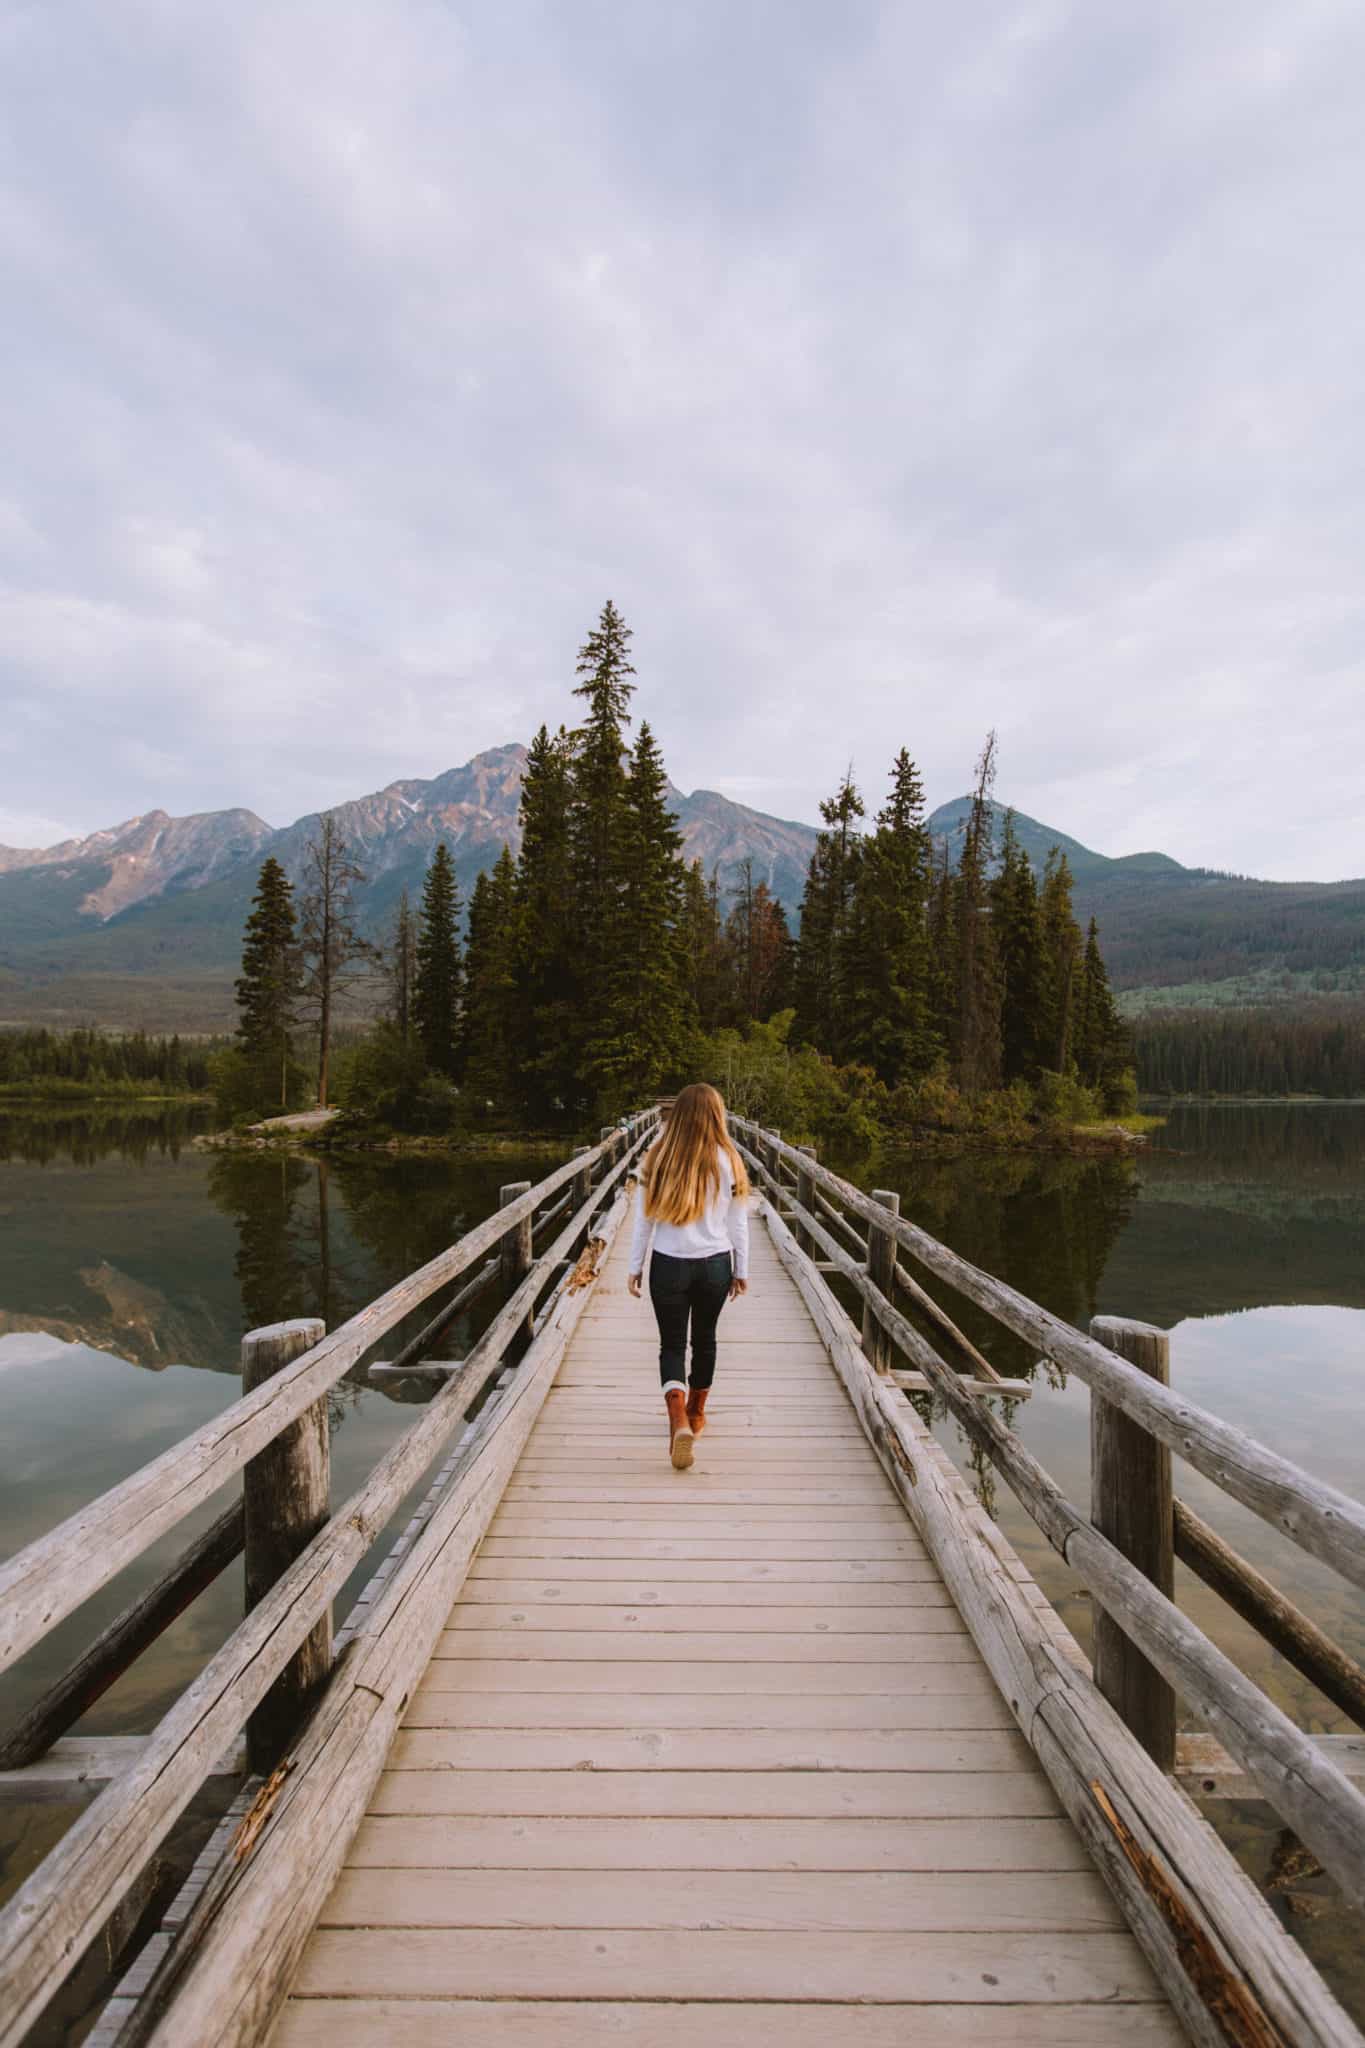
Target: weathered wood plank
1210	1938
51	1577
858	1577
718	1649
819	1901
247	1954
662	1749
55	1913
1322	1806
1130	1503
1321	1518
884	1598
886	1618
124	1640
416	1843
75	1767
701	1793
1249	1593
972	1703
286	1497
987	1969
567	2023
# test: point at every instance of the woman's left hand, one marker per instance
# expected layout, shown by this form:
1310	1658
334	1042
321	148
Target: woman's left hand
738	1287
633	1284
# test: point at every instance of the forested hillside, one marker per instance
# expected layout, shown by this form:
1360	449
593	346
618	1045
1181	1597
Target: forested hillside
1312	1048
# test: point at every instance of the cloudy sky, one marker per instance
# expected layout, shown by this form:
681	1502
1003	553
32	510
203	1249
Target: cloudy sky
900	370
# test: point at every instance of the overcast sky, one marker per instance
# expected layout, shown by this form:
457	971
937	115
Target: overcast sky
899	370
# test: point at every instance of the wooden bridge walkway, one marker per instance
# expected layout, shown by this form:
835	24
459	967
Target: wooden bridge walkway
789	1746
718	1736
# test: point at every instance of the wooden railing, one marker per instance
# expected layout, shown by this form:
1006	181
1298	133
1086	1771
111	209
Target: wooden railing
1109	1746
276	1676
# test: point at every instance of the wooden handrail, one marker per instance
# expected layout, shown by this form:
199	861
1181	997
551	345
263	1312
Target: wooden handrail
1322	1805
58	1572
1231	1972
1319	1518
53	1916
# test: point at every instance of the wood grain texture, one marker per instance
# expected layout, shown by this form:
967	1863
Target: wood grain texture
1216	1948
735	1701
51	1577
567	2023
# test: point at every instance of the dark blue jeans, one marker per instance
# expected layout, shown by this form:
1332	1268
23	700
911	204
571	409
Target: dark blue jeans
688	1288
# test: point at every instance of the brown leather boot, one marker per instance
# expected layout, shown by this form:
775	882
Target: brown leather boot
696	1408
679	1428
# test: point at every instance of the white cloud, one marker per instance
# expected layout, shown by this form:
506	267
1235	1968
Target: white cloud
899	373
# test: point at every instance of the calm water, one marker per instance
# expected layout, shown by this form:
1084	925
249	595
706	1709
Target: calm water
131	1263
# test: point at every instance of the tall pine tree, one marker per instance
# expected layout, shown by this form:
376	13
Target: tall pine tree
546	938
335	956
635	1040
440	972
978	978
599	840
267	988
1060	959
892	1025
823	1013
490	1011
1018	945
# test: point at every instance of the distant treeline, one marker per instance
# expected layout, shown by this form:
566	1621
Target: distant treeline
87	1062
1306	1048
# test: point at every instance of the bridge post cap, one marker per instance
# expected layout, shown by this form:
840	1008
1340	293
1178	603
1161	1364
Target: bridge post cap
311	1327
509	1191
1103	1326
888	1197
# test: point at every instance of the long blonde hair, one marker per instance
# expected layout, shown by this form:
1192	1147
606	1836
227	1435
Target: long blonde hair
682	1172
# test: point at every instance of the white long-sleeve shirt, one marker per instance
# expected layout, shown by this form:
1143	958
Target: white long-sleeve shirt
723	1226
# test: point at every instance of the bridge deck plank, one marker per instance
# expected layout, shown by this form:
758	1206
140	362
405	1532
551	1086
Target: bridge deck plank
734	1703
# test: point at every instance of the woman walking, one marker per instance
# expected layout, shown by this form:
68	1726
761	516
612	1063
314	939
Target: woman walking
692	1193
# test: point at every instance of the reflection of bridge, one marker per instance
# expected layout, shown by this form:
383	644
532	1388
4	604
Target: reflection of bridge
787	1744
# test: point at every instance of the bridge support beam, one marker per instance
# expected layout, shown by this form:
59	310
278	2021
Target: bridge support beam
805	1197
878	1344
1130	1503
516	1253
286	1499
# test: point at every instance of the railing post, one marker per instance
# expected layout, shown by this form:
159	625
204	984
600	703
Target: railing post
1130	1503
515	1253
805	1197
286	1499
582	1180
608	1136
881	1271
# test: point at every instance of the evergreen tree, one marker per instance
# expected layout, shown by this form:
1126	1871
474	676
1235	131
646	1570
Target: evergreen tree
637	1033
943	1011
826	937
599	840
978	978
1018	945
490	1012
401	963
709	977
440	973
1102	1045
335	956
266	991
758	947
545	937
1060	950
891	996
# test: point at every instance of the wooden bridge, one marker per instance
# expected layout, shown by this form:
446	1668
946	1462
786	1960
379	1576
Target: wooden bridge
789	1745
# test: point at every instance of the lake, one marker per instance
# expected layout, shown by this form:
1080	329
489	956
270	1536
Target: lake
131	1262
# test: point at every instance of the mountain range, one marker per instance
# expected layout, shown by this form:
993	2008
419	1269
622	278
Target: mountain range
141	922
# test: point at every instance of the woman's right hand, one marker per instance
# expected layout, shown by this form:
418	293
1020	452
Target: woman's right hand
633	1281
